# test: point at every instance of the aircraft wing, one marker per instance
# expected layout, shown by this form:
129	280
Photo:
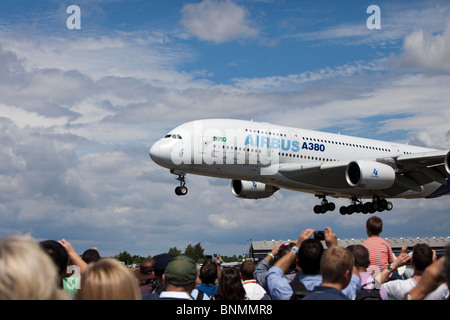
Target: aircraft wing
412	172
326	174
418	169
436	163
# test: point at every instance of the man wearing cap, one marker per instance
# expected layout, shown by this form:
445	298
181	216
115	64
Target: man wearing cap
180	279
146	276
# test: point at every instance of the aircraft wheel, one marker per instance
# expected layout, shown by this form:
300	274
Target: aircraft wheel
375	206
351	209
389	206
331	206
181	191
343	210
383	204
359	208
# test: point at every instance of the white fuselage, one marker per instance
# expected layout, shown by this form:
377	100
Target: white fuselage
254	151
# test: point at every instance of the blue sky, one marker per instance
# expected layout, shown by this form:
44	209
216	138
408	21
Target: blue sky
79	110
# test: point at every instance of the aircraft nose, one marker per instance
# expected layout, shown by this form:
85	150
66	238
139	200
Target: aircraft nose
157	152
160	153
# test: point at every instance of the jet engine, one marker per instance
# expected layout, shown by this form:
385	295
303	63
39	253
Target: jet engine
447	163
251	190
369	175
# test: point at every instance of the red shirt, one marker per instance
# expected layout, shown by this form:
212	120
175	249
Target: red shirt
380	253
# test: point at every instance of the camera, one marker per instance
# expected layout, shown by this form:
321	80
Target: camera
319	235
212	257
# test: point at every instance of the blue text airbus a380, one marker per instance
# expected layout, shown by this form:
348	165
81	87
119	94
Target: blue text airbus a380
260	158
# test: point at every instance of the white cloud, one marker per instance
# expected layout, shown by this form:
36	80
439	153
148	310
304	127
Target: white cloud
218	21
217	220
426	51
141	56
397	21
294	82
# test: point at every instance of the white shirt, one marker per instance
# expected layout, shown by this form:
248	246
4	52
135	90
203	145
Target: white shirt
398	289
174	295
254	291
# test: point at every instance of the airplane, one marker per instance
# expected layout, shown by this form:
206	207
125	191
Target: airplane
260	158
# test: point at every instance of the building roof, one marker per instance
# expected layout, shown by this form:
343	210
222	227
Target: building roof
267	245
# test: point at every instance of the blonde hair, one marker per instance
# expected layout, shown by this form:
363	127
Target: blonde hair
26	271
108	279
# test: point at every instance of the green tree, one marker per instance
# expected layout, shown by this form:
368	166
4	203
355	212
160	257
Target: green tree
195	252
124	257
174	251
136	259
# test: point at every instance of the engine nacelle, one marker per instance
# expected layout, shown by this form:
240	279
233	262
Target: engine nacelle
447	163
251	190
370	175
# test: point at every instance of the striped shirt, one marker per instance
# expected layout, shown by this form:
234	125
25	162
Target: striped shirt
380	253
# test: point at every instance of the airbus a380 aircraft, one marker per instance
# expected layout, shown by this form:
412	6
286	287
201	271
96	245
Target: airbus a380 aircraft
261	158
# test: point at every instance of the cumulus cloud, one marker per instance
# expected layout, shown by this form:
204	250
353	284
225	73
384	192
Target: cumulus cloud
218	21
426	51
35	168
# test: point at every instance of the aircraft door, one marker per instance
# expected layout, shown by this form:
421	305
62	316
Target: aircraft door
395	149
210	150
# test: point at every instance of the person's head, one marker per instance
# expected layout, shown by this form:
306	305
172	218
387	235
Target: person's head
246	270
309	255
374	226
146	271
336	266
208	272
27	272
422	256
230	285
90	255
161	262
58	254
181	273
108	279
284	249
361	255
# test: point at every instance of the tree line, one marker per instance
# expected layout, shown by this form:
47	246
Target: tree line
195	252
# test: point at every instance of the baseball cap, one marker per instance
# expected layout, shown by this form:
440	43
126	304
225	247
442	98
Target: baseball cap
181	271
161	262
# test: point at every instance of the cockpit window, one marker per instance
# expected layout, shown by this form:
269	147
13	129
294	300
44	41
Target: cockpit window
173	136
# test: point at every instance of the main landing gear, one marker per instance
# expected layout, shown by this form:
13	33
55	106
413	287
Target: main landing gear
324	206
377	205
182	190
357	206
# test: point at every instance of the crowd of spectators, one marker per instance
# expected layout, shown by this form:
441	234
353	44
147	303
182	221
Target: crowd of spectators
302	270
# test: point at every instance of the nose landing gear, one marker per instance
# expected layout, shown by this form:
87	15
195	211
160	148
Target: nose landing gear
181	190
